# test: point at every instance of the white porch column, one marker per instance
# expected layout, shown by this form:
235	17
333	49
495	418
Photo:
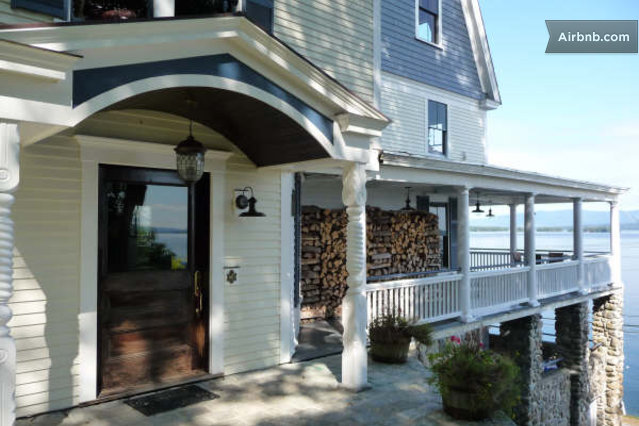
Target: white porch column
615	244
463	252
354	356
578	243
9	178
163	8
530	249
513	231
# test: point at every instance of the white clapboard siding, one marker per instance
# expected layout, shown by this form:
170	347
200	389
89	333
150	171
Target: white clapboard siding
46	277
9	15
405	102
252	319
336	35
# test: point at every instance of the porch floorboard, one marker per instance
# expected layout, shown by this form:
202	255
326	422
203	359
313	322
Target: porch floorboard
306	393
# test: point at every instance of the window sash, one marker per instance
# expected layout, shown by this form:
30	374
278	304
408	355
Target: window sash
437	128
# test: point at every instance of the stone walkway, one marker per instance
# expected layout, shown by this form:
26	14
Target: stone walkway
294	394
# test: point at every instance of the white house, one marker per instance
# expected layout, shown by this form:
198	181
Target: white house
119	277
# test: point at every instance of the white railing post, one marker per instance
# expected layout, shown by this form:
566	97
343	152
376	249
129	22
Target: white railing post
513	231
163	8
354	356
529	248
578	243
615	244
463	252
9	179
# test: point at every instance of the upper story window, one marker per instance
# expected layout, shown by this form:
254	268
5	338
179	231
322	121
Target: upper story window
427	20
437	128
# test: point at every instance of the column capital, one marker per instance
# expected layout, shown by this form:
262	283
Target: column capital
463	190
614	203
9	157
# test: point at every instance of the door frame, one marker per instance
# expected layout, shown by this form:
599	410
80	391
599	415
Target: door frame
100	150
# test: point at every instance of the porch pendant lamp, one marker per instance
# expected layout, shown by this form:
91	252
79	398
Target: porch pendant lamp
477	207
490	212
189	156
407	207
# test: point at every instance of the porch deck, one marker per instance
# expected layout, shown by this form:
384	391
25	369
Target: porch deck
306	393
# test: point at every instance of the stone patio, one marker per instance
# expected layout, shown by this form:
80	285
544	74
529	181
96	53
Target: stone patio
294	394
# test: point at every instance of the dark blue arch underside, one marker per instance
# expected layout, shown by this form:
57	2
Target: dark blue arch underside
89	83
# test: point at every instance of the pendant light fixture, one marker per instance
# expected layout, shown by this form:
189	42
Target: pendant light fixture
477	206
490	212
189	156
407	207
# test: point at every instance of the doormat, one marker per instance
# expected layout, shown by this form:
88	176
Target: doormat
170	399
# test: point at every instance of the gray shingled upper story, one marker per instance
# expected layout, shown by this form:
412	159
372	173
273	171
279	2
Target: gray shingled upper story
451	68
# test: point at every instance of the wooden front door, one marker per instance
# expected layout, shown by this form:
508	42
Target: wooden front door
153	269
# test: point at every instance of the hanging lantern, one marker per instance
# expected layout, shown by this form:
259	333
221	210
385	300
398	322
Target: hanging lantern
490	212
190	158
407	207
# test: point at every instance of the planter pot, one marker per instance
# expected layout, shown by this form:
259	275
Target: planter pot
391	353
463	405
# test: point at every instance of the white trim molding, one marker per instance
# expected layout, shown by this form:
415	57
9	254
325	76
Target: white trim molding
95	151
287	262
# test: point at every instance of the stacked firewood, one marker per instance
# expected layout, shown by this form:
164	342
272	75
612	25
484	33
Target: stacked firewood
397	242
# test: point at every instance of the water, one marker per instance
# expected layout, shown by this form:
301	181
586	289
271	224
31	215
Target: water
630	275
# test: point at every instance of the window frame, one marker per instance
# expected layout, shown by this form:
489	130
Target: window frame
444	152
438	26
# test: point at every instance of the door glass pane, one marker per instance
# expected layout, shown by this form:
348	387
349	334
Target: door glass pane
147	227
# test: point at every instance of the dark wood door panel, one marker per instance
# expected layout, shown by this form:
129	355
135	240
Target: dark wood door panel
154	239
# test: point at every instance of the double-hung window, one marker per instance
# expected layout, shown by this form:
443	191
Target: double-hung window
428	20
437	128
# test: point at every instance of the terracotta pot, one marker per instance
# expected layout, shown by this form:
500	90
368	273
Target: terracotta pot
391	353
118	14
464	405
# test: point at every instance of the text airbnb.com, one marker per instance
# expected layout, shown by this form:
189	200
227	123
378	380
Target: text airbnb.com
593	37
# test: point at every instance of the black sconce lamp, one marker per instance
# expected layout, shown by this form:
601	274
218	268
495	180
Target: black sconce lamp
477	207
242	202
407	207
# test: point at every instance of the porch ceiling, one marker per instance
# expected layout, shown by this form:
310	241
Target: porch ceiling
266	135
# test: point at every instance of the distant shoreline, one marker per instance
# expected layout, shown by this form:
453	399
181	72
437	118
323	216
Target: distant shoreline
588	229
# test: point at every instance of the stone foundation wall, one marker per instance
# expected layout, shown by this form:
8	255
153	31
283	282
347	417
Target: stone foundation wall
554	398
607	360
521	339
571	327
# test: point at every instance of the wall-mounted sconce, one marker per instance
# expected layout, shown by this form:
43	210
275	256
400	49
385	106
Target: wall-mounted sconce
242	202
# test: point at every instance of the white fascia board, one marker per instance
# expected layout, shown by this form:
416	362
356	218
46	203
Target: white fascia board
480	175
35	62
481	51
238	31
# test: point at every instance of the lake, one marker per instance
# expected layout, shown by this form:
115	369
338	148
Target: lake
630	275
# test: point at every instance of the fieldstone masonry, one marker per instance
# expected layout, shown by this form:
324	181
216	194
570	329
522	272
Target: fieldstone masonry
571	327
522	339
554	394
607	359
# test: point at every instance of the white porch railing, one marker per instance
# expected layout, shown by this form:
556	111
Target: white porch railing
491	290
490	259
597	271
558	278
422	299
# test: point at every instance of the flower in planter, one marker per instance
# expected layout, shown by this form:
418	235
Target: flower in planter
473	382
390	336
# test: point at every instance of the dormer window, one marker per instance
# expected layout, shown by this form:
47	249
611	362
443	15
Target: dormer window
437	128
428	20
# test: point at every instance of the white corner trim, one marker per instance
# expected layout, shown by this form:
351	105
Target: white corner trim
287	327
99	150
481	50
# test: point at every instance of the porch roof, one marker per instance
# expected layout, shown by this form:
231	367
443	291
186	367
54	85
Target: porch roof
131	63
499	185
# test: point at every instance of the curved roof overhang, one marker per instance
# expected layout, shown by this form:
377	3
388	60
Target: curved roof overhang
274	104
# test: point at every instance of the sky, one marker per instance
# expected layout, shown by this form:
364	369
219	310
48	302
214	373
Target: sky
570	115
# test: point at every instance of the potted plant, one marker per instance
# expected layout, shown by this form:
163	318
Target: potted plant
474	383
390	336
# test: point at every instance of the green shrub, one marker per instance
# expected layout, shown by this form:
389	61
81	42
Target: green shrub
393	329
467	367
